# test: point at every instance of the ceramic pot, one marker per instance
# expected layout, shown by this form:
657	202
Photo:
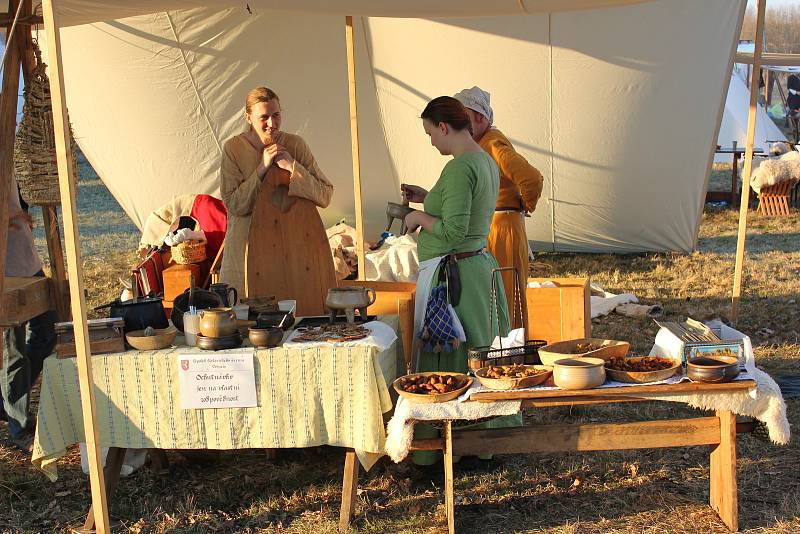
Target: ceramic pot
218	322
223	290
349	299
579	373
713	369
266	337
270	319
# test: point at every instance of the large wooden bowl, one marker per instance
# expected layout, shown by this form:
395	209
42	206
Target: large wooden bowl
641	377
514	383
608	348
419	398
163	338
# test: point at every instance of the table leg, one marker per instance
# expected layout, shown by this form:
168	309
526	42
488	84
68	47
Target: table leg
449	497
114	461
349	490
722	478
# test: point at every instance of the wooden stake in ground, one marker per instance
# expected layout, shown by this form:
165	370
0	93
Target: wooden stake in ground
351	79
75	267
748	163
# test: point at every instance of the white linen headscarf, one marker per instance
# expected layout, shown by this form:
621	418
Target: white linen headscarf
477	100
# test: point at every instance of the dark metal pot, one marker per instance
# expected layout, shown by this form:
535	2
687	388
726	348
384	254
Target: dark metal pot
202	299
138	313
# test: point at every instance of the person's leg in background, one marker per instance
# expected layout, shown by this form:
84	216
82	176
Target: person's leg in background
14	380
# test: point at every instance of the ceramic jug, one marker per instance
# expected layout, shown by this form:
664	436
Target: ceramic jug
217	322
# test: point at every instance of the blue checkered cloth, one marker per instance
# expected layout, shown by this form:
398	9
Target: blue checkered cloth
438	331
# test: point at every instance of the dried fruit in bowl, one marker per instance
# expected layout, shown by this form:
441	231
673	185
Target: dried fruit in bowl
431	384
512	371
640	365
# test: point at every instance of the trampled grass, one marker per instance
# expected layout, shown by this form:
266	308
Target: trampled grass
647	491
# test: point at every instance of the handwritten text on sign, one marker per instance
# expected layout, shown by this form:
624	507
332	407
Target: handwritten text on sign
217	381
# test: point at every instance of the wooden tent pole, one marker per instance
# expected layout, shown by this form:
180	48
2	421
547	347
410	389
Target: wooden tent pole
748	163
75	267
8	125
351	79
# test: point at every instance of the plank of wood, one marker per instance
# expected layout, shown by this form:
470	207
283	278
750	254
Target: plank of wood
25	298
8	123
590	437
449	495
627	391
349	490
287	253
354	145
113	469
723	494
67	185
748	164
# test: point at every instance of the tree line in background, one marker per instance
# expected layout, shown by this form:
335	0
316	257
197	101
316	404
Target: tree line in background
781	26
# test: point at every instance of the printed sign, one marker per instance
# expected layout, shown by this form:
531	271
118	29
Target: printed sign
217	381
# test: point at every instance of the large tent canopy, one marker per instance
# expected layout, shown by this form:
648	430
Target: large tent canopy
620	117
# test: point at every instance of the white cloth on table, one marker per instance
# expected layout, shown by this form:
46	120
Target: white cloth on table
397	260
515	338
400	430
381	336
765	402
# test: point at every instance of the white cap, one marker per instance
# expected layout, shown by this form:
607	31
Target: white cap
477	100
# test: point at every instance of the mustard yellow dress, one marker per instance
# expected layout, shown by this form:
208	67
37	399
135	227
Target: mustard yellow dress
520	189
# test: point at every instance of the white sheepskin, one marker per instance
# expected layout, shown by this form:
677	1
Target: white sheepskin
776	170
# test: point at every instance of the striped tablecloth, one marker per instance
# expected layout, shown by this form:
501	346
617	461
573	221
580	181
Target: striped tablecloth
306	397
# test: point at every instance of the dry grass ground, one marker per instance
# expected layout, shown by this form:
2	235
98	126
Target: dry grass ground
619	492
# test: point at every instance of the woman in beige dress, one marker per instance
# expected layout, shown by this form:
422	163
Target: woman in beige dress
261	154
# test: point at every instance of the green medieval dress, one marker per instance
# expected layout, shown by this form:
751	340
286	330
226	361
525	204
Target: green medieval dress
463	199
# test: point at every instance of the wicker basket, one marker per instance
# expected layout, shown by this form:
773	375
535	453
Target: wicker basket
188	252
35	163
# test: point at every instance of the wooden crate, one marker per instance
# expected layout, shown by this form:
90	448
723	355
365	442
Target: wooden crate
25	298
105	336
393	298
559	313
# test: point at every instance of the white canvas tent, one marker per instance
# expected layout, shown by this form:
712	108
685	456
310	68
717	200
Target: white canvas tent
619	117
622	54
734	121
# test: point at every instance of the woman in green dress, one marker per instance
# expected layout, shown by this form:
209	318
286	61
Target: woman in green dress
456	220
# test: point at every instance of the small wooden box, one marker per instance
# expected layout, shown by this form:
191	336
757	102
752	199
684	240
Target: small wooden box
559	313
24	298
105	336
176	281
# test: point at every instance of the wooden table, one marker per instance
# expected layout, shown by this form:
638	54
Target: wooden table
733	195
718	431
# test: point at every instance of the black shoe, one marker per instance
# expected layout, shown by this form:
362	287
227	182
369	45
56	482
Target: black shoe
476	464
23	443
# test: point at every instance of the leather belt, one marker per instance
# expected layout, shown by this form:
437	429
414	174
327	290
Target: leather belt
463	255
509	209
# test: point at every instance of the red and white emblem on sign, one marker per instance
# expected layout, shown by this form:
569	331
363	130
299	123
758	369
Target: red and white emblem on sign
185	365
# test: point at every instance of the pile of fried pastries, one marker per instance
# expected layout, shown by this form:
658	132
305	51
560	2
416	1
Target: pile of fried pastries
332	333
431	384
640	365
512	371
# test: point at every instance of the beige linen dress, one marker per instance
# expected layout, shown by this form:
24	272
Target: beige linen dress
240	185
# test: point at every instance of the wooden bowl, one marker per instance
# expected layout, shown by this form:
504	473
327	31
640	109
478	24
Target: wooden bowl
265	337
514	383
713	369
641	377
607	348
162	338
579	373
419	398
